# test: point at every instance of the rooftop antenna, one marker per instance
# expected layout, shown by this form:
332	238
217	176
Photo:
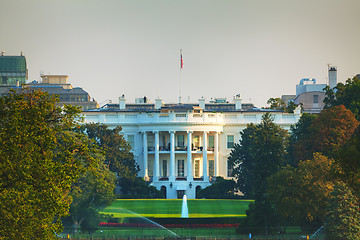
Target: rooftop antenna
21	53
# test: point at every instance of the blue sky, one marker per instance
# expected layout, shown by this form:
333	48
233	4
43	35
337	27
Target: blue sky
258	48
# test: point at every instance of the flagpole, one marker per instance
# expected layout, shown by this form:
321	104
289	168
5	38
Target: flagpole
181	66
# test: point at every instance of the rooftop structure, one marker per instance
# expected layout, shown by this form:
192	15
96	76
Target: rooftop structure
310	94
13	70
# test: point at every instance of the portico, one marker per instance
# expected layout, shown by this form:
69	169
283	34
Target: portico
180	158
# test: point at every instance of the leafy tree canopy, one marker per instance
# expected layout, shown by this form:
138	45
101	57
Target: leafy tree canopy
93	191
278	104
118	156
221	189
260	153
343	216
38	164
347	94
326	134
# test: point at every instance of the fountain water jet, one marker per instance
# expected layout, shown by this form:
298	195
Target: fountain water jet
184	210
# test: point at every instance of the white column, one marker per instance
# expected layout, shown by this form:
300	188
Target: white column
216	154
172	156
205	170
189	157
145	156
156	167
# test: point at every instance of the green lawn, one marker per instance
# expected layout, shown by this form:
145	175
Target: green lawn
171	208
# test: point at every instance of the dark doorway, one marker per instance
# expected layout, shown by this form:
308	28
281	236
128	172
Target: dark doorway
197	189
163	190
180	194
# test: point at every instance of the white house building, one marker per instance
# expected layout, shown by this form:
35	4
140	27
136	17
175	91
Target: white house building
182	147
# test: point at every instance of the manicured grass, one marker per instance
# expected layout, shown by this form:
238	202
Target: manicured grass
171	208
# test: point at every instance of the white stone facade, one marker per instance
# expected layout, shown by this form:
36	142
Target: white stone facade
182	147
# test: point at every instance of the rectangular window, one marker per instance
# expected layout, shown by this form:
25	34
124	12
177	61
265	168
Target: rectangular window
211	168
180	140
230	141
180	172
211	141
131	140
164	168
197	169
197	141
229	170
150	141
316	98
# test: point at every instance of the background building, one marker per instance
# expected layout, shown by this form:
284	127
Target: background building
67	94
13	70
13	75
180	148
310	94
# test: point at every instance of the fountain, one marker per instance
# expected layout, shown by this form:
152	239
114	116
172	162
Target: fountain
184	210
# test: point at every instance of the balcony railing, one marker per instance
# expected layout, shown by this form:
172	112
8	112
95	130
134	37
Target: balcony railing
180	178
180	148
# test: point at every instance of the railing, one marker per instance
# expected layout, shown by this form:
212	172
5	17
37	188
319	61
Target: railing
180	178
180	148
161	148
219	118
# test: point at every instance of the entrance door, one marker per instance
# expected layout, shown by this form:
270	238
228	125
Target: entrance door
180	194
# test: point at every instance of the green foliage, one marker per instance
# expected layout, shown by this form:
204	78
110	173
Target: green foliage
278	104
93	191
327	133
343	217
242	157
302	194
138	188
117	151
347	94
348	157
300	139
221	189
38	164
260	153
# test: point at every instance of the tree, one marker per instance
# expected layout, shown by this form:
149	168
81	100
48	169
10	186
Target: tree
260	153
326	134
93	191
139	188
303	193
242	159
343	217
221	189
348	157
38	164
300	139
277	103
347	94
118	156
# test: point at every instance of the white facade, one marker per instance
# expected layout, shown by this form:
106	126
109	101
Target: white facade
182	147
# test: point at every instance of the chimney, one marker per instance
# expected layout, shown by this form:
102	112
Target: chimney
332	76
158	103
237	100
122	102
202	102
